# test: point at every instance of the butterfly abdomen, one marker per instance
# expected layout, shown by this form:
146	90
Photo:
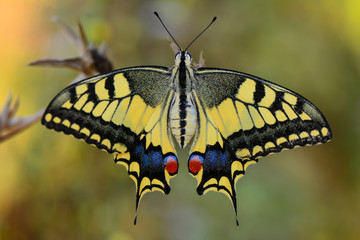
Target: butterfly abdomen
183	119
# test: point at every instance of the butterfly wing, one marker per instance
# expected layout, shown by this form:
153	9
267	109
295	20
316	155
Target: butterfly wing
242	118
124	112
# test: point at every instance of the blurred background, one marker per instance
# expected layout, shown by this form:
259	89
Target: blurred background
53	186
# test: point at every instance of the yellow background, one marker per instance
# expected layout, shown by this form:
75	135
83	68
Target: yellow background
53	186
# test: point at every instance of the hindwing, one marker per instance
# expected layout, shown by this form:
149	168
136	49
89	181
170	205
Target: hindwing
124	112
242	118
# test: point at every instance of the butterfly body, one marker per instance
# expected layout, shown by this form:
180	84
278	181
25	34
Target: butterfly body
183	117
233	118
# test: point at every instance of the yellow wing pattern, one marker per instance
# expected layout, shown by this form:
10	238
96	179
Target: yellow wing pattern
242	118
125	113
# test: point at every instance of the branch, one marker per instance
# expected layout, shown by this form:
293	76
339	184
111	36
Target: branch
90	62
9	124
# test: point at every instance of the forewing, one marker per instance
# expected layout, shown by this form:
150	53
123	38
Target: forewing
123	112
241	118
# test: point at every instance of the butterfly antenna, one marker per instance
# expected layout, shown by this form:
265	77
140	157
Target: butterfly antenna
201	33
157	15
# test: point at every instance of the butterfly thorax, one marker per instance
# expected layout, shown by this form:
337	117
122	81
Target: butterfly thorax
183	118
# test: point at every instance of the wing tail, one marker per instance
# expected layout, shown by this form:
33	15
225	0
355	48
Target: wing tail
152	162
149	168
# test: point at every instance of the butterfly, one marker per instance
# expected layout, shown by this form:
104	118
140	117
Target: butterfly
231	119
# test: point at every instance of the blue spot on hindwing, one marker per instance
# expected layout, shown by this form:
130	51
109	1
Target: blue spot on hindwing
146	161
139	150
156	159
152	158
211	157
216	157
223	158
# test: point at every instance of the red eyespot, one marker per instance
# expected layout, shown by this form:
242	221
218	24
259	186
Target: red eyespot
195	164
171	165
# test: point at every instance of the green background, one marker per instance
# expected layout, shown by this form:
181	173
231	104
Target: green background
53	186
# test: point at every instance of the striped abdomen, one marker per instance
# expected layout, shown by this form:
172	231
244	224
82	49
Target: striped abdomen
183	119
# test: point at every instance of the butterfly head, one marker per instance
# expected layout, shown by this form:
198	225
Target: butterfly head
183	56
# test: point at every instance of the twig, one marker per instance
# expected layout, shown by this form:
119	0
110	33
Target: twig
90	62
9	124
